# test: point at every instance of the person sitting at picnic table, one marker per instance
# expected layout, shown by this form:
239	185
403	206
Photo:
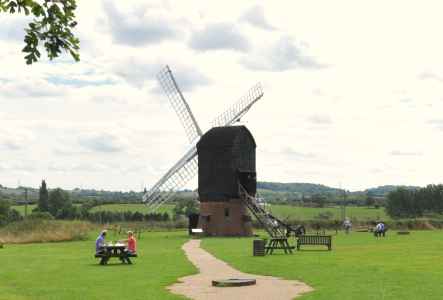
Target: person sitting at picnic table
131	246
100	242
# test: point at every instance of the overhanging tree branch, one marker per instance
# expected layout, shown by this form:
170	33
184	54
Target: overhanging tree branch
52	26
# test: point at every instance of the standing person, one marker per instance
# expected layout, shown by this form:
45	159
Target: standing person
347	225
100	242
131	247
379	229
383	229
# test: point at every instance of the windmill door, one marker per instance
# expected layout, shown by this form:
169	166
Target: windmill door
248	180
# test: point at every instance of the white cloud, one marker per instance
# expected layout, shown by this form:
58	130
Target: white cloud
436	123
320	119
13	27
219	36
430	76
137	71
283	55
256	17
103	142
143	25
30	88
405	153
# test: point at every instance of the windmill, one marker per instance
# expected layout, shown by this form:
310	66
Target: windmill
227	177
187	166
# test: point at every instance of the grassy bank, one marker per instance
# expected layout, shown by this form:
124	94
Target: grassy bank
40	231
359	266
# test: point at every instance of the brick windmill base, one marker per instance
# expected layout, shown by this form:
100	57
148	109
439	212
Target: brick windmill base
225	218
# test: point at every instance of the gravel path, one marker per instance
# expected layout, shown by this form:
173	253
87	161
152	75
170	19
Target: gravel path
199	286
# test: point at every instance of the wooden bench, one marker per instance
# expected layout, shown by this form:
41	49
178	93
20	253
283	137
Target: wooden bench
314	240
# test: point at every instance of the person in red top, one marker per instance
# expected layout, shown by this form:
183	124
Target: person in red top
131	246
132	243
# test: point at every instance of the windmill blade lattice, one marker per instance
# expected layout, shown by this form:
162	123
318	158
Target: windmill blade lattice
177	177
178	102
241	107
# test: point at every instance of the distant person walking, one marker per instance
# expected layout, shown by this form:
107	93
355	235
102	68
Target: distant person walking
100	242
347	225
380	229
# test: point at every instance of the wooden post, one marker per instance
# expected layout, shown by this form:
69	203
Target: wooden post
26	202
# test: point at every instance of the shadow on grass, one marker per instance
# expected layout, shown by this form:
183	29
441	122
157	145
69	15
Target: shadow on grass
315	250
111	265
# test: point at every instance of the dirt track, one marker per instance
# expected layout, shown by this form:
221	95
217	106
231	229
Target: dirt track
199	286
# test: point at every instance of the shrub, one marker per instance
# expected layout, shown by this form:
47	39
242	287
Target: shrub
42	215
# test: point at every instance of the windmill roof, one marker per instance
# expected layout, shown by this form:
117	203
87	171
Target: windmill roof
223	136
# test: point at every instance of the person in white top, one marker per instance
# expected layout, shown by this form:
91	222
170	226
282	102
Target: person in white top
380	229
347	225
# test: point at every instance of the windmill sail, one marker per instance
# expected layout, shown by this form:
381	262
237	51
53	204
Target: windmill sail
240	108
177	177
178	102
187	167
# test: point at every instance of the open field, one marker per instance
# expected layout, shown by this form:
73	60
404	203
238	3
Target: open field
283	211
108	207
69	270
132	208
309	213
359	266
21	208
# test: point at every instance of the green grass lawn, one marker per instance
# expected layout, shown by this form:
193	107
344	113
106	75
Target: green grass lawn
132	207
69	270
359	266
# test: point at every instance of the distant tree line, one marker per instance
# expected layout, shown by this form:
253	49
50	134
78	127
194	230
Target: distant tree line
406	203
57	203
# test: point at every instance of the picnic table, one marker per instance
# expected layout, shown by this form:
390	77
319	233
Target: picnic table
114	250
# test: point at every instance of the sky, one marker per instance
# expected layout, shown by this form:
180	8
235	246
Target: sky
353	92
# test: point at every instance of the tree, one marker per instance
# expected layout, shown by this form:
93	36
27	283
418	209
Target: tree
185	207
370	201
403	203
59	203
52	26
7	214
319	200
4	207
43	198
